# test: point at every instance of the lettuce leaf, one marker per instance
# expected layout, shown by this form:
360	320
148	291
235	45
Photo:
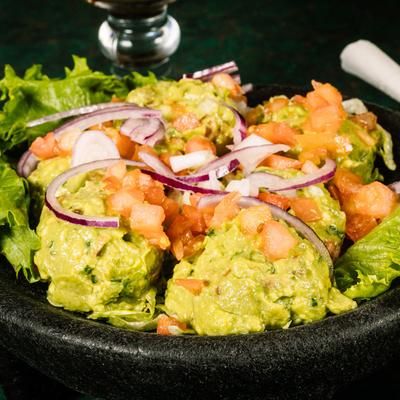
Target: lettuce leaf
370	265
35	95
17	240
385	146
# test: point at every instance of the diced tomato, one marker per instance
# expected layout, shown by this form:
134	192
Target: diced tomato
137	179
147	220
155	195
122	201
275	104
147	216
326	119
375	200
186	122
165	322
225	81
226	210
315	155
124	144
179	226
118	170
193	246
177	249
275	199
326	92
275	132
358	225
346	181
277	240
299	99
252	219
367	120
112	183
306	209
198	143
45	147
194	286
277	161
196	218
171	209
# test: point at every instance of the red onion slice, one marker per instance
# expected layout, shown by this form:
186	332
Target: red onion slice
92	146
178	184
125	111
73	112
159	167
143	130
26	164
302	228
74	218
219	171
206	74
276	183
239	131
249	157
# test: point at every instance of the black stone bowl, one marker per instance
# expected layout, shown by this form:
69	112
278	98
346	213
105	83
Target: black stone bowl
309	361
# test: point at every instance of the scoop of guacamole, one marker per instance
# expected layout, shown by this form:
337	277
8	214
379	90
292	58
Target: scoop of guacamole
204	100
364	146
109	273
247	293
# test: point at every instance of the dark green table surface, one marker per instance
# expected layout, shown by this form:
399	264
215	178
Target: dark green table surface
284	42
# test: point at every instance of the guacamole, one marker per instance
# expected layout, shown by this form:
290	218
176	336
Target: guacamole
248	293
204	100
109	273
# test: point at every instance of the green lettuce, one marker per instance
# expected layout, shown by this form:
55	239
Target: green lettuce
17	240
35	95
370	265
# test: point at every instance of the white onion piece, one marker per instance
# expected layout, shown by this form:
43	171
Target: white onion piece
240	185
73	112
191	160
354	106
250	141
212	183
74	218
156	164
302	228
275	183
208	73
92	146
249	157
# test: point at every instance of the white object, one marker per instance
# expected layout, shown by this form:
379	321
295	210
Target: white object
354	106
242	186
92	146
191	160
368	62
250	141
